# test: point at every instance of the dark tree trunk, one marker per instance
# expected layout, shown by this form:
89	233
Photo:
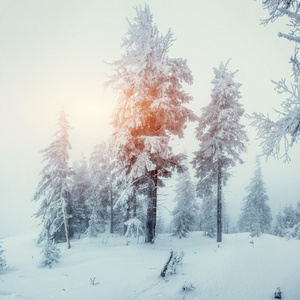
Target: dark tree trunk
126	217
68	220
134	204
111	201
150	225
154	201
219	204
111	212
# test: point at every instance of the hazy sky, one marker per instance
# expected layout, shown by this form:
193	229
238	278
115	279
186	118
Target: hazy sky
53	53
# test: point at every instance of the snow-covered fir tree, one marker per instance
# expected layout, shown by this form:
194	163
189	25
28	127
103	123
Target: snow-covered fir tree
256	214
222	138
150	108
283	132
53	189
50	254
96	222
100	194
2	257
80	184
285	220
295	231
288	222
186	210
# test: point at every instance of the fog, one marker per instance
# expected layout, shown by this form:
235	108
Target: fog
54	53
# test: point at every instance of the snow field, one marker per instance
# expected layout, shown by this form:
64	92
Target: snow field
236	270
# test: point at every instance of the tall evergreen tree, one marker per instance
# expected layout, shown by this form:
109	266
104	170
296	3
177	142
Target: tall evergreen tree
221	138
186	209
150	108
53	188
256	214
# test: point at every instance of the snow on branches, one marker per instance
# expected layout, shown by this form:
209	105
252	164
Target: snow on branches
50	254
256	214
53	189
150	107
134	227
222	138
286	129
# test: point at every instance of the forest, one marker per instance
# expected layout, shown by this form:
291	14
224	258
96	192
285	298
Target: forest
115	189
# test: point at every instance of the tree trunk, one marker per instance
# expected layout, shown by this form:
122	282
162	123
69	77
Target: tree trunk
126	217
219	204
111	201
134	203
155	201
111	213
150	233
67	230
65	209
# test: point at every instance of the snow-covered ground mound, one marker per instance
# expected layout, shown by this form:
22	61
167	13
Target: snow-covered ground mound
121	269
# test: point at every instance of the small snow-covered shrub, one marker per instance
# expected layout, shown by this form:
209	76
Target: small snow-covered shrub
174	260
96	223
134	227
50	254
187	287
2	258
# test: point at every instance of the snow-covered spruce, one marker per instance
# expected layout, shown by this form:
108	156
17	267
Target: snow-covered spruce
186	210
53	188
256	214
150	109
295	230
3	263
285	220
50	254
222	138
96	222
288	222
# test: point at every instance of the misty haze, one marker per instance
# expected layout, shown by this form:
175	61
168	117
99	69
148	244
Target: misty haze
150	150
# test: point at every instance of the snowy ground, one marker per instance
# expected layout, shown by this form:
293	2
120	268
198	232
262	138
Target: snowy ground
237	270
